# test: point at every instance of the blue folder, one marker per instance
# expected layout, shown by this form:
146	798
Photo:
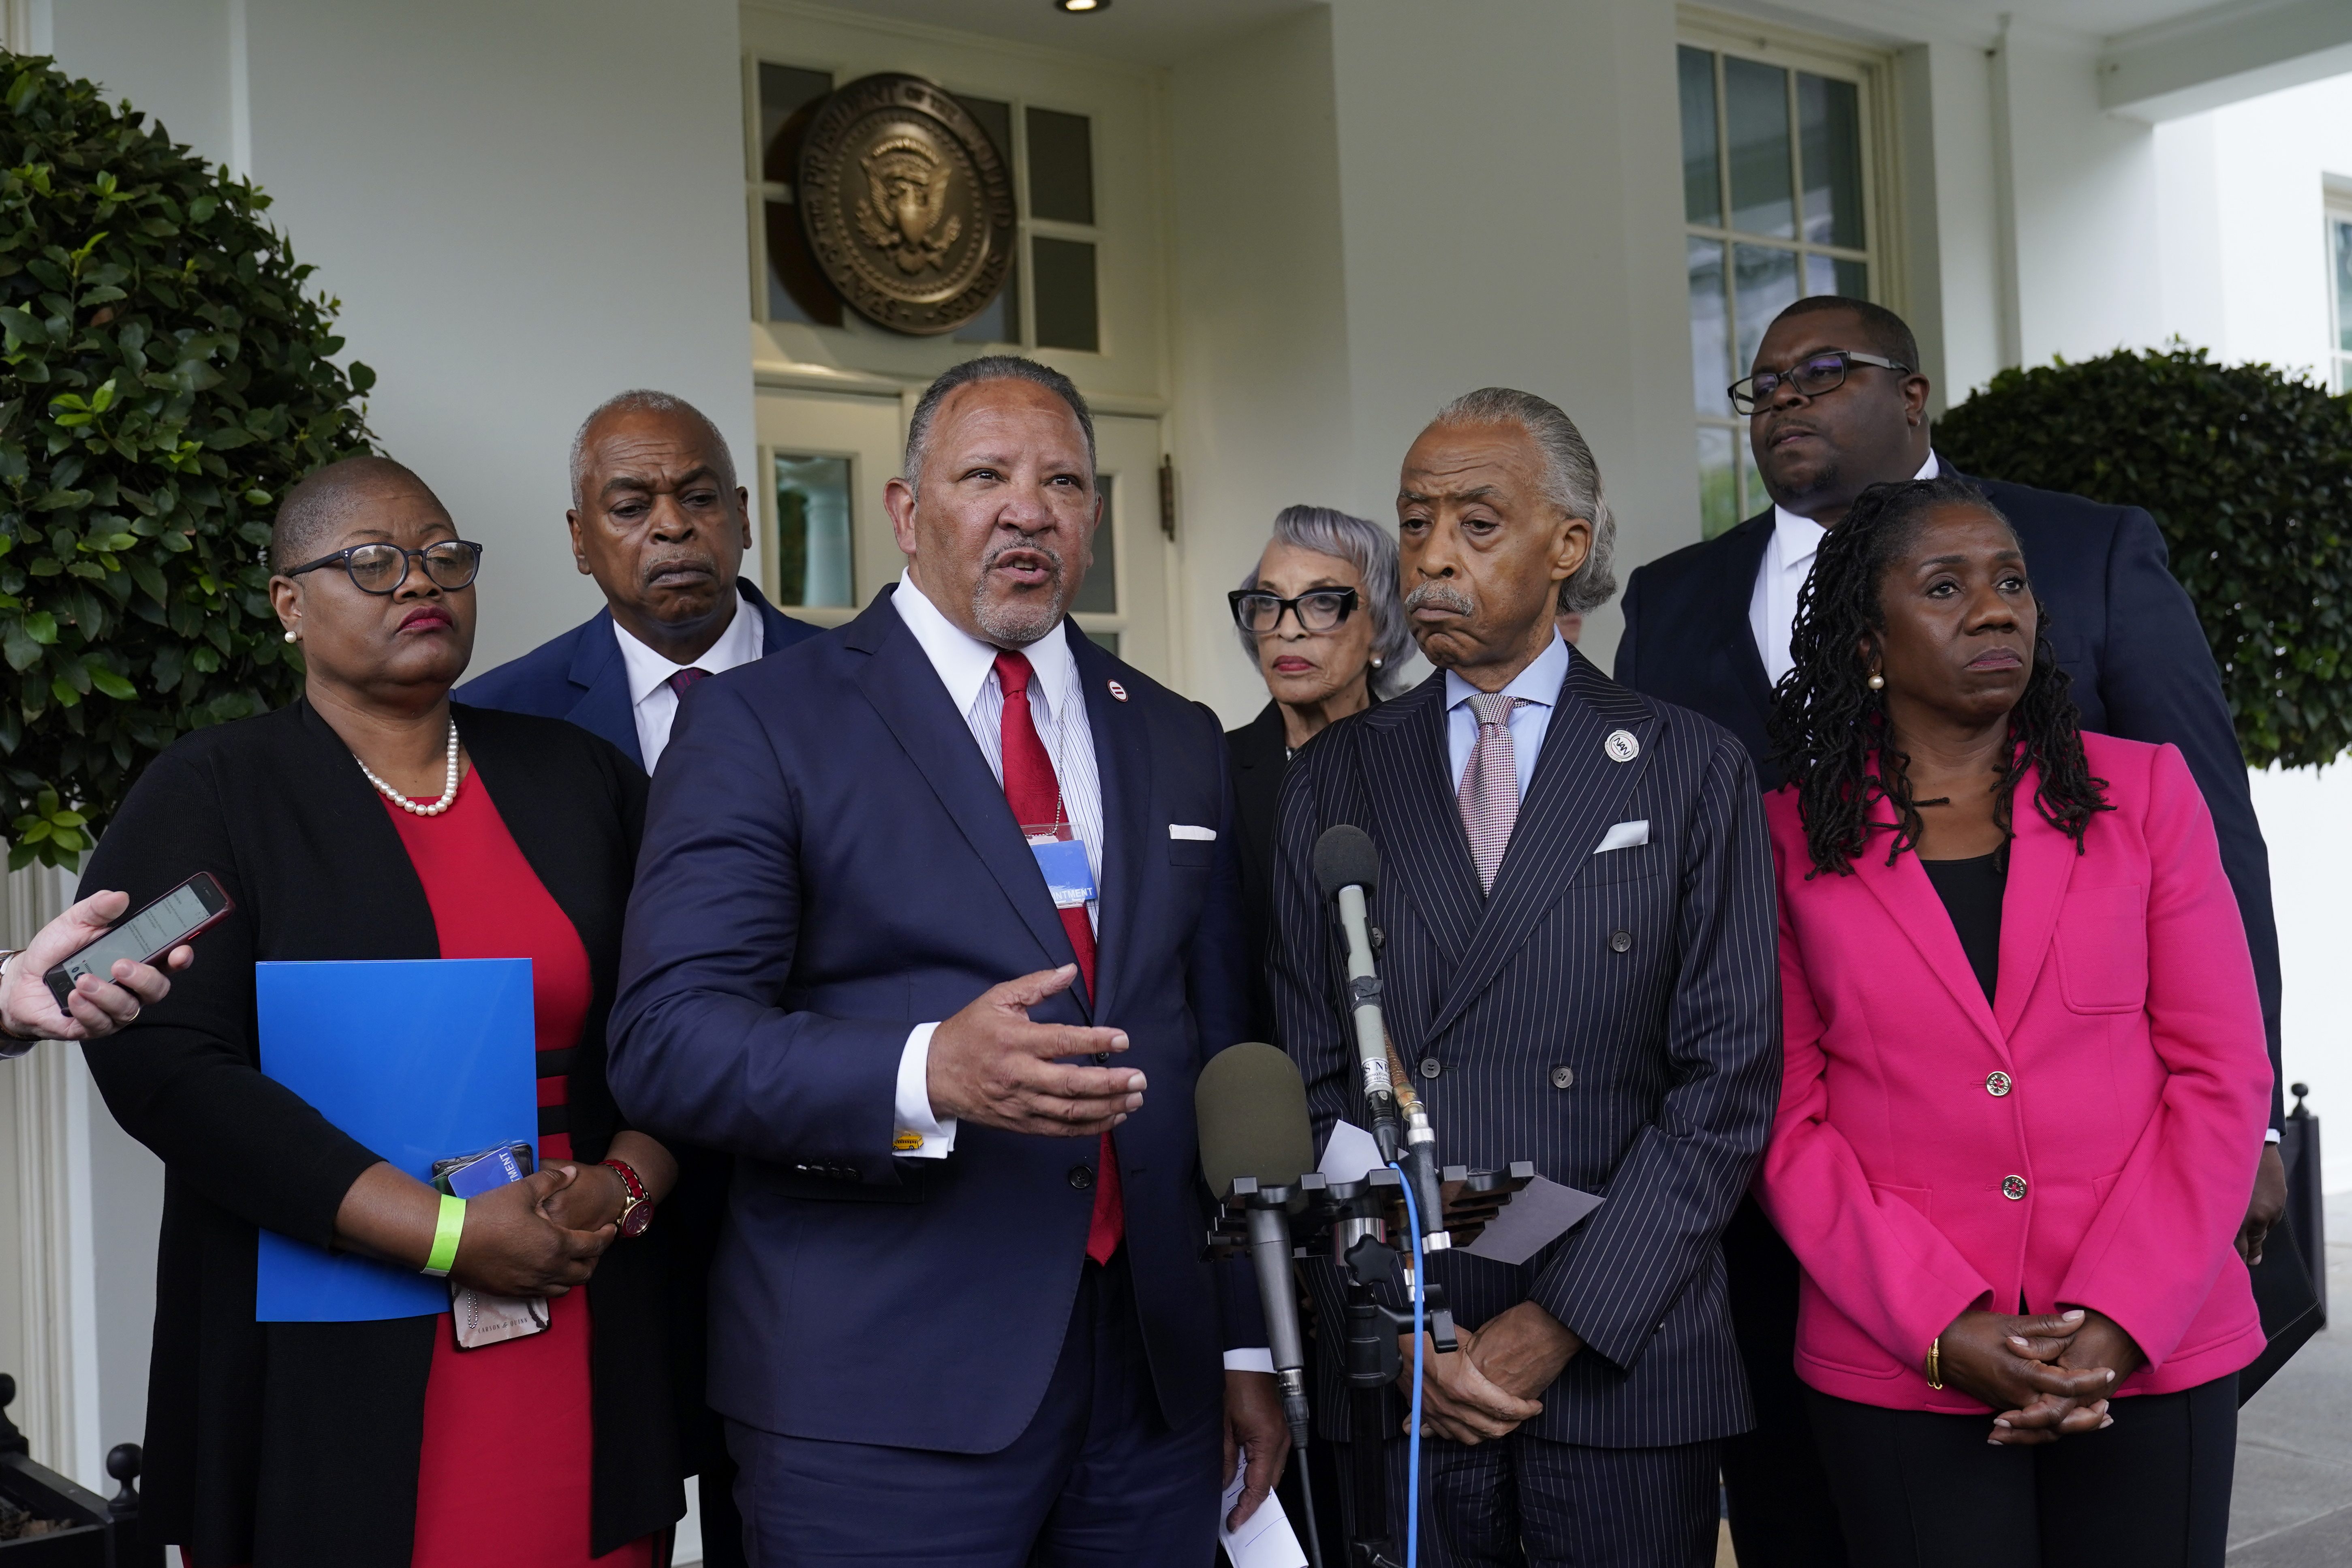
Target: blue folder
418	1060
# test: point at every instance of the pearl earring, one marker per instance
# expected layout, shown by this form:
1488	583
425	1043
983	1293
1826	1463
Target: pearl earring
1877	681
293	636
1376	661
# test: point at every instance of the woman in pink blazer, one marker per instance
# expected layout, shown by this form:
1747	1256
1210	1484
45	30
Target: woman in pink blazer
2026	1085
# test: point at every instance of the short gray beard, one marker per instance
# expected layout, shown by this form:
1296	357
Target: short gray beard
1019	624
1444	595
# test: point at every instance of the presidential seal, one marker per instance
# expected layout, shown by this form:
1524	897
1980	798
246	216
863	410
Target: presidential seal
906	203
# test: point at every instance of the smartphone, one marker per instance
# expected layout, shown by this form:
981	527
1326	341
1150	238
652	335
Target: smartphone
471	1175
179	916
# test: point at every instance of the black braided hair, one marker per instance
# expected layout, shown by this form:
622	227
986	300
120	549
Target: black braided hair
1828	727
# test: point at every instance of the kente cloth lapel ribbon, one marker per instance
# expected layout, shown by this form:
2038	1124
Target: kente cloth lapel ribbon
1034	793
1489	797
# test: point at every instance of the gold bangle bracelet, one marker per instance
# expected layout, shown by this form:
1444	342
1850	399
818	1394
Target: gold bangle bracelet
1935	1362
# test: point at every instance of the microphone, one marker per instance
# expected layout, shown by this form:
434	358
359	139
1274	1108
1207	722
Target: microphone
1251	1105
1347	869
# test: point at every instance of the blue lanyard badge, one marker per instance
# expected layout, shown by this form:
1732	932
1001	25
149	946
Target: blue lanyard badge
1063	861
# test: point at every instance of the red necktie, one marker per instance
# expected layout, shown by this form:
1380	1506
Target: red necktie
1035	797
684	678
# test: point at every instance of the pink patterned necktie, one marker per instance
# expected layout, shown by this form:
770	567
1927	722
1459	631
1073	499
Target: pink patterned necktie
684	678
1489	797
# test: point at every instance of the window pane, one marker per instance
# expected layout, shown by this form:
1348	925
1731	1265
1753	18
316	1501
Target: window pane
812	531
1853	279
1756	110
1718	497
1099	595
1000	322
1065	288
1711	369
1702	182
785	92
2343	231
1061	167
1822	274
1106	641
1830	132
1764	283
797	290
1752	496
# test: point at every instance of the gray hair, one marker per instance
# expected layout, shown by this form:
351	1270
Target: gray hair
988	367
1571	481
644	400
1372	551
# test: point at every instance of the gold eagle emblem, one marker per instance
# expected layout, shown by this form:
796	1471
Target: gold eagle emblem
906	192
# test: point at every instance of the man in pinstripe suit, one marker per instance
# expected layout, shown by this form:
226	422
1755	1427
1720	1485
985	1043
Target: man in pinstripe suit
1578	958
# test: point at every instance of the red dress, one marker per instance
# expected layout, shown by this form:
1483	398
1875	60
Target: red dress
505	1475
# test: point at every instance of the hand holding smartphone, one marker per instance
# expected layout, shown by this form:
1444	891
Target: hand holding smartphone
176	919
39	999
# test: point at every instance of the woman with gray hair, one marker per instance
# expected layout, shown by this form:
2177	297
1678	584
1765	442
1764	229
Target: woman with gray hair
1320	614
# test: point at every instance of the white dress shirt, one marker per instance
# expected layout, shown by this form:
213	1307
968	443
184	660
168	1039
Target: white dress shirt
1780	577
652	702
1537	686
967	668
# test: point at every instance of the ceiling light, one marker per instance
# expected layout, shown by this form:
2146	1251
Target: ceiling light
1074	6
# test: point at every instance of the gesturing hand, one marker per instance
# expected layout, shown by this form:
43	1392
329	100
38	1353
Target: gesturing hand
990	1064
510	1246
1458	1400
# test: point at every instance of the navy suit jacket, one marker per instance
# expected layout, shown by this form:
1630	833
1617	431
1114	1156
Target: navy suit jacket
582	677
1614	1018
2119	622
829	862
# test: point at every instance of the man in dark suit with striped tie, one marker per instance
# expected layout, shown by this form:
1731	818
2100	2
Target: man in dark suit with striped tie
1577	958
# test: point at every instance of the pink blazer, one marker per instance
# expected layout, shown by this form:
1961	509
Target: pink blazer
2089	1139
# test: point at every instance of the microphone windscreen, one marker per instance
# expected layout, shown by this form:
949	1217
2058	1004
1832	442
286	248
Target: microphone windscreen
1252	1108
1345	857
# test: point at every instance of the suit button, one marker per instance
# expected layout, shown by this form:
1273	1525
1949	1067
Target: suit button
1081	1177
1563	1077
2013	1188
1431	1067
1998	1084
1621	941
1101	1056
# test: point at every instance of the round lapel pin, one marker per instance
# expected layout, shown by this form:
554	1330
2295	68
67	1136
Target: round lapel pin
1118	691
1620	746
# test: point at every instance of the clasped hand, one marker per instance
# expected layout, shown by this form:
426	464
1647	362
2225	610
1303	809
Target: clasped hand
991	1065
1488	1389
2049	1376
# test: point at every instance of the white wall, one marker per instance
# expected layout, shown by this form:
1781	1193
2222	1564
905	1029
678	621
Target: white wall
524	208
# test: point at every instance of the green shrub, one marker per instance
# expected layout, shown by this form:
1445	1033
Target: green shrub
2247	473
164	379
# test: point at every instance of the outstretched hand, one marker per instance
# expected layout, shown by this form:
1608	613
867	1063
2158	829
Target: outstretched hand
990	1064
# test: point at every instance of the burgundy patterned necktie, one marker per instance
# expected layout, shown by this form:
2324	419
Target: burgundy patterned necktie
1489	797
686	678
1035	793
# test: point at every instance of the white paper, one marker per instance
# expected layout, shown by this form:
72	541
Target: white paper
1266	1539
1536	1212
1350	1152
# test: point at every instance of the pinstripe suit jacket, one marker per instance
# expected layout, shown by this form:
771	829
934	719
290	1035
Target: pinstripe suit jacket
1614	1018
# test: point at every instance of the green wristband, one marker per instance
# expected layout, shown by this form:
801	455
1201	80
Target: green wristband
446	1232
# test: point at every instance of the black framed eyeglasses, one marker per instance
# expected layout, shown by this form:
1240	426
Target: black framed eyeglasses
1319	609
451	563
1811	377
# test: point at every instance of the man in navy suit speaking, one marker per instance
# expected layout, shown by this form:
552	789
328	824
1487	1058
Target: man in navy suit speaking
659	521
935	922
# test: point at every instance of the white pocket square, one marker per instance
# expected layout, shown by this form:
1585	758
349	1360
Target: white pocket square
1186	830
1625	836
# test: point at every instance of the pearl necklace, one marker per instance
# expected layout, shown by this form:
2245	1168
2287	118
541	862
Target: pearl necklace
449	795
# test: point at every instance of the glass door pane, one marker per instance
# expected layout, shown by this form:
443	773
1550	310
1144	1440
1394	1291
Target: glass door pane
1702	171
813	546
1755	111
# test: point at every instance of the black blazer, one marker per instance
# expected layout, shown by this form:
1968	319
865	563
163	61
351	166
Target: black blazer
2119	623
1614	1018
296	1443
